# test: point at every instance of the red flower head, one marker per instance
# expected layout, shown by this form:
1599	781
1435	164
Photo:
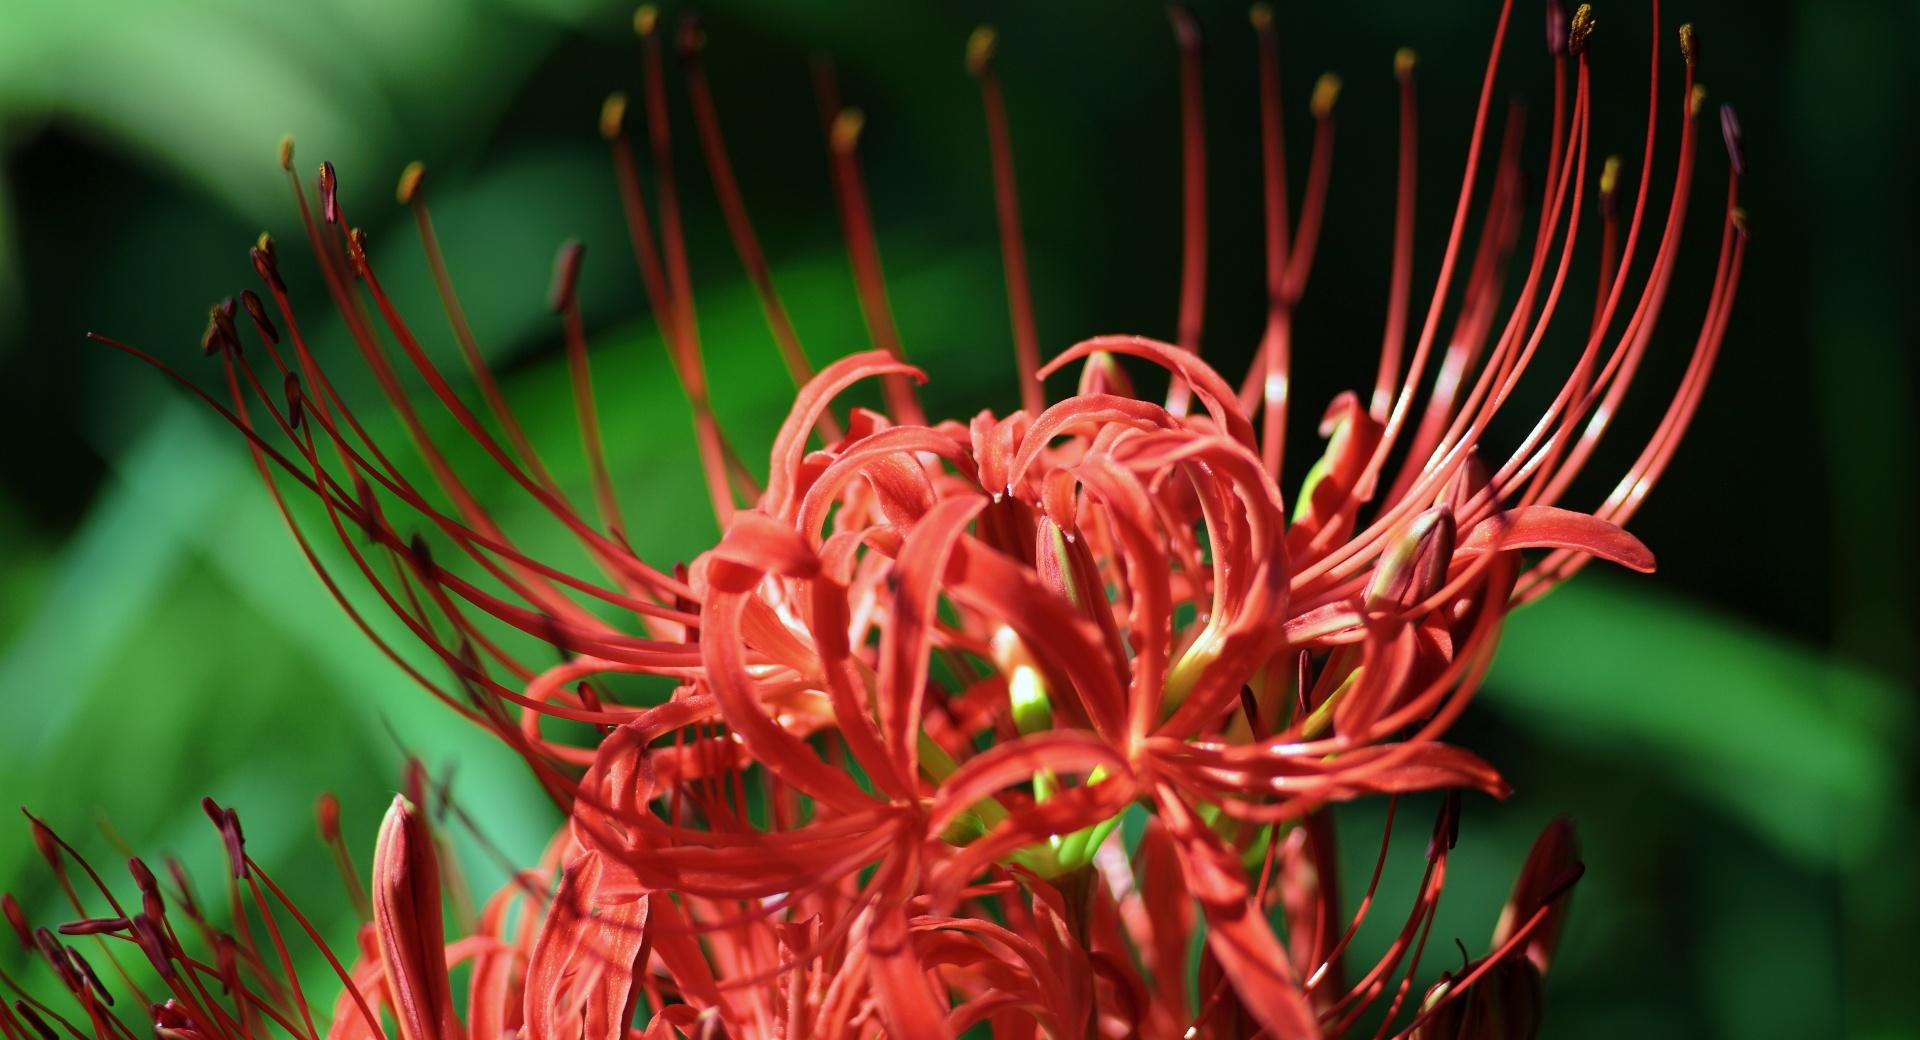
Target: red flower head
931	668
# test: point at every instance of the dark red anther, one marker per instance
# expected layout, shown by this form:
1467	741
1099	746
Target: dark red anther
227	958
258	312
326	814
357	251
222	315
1446	829
1556	28
220	332
329	185
422	556
142	876
566	275
212	809
153	942
49	948
689	38
92	978
1730	129
94	926
369	508
266	262
18	919
1252	709
296	401
33	1019
149	888
1186	27
48	845
236	843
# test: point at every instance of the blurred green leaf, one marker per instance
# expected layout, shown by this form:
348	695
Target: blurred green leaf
1803	748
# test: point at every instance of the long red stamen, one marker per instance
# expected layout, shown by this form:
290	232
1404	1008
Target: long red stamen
327	818
565	301
1268	378
1026	341
863	251
409	194
713	145
1400	286
1273	361
1193	193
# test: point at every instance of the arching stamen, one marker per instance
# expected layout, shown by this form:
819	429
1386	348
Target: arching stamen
685	356
1026	341
1500	231
1193	193
1306	242
713	145
409	194
1609	237
1552	477
1444	281
863	251
1400	285
1273	362
326	813
565	301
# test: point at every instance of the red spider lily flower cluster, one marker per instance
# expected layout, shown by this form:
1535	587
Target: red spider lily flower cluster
974	725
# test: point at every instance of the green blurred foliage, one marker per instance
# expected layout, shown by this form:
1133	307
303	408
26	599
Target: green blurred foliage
1734	735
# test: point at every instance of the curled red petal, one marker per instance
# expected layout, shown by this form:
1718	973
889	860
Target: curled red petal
1237	932
1215	395
1549	527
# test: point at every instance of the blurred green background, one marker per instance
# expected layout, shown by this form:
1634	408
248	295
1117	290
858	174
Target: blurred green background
1734	735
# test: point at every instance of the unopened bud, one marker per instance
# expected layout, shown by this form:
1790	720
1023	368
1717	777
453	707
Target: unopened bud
1102	374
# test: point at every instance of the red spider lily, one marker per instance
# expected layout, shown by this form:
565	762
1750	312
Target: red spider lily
930	666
